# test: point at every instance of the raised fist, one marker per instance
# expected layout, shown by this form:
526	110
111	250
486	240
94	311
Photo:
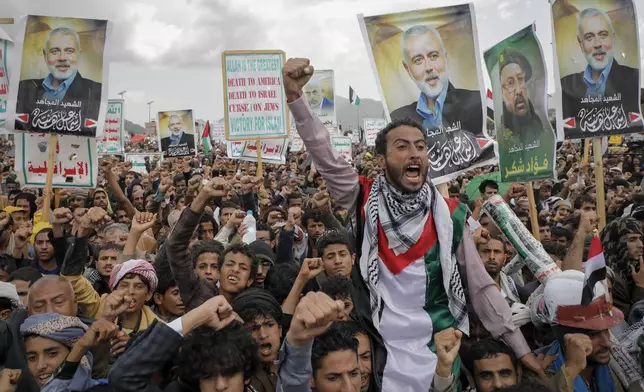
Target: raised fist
296	73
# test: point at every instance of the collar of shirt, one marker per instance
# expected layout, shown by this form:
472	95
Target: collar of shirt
57	93
435	118
599	86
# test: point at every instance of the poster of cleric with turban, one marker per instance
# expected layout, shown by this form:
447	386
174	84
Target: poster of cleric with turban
320	93
427	66
176	133
597	67
62	84
525	138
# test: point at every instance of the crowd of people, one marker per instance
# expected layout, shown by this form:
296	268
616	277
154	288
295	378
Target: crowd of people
359	278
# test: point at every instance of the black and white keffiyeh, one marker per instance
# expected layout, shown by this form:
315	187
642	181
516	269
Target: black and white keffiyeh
403	218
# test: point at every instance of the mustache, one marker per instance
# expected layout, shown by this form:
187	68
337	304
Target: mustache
520	99
599	51
432	75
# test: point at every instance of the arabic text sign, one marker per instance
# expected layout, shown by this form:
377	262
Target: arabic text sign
112	140
371	128
297	145
355	136
138	161
75	164
38	103
273	151
526	141
254	95
217	131
610	106
4	85
343	146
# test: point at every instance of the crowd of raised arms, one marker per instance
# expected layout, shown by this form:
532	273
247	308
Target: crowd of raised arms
155	281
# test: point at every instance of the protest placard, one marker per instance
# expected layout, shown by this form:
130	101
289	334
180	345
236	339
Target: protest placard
319	92
234	149
371	128
5	44
112	140
255	105
138	161
297	145
56	51
217	131
342	145
75	163
401	48
272	151
597	68
176	130
355	136
525	138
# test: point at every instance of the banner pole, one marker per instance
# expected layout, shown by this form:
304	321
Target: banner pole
260	170
599	182
534	217
46	209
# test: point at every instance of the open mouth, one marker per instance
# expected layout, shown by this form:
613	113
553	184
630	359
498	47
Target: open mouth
432	81
62	67
412	173
265	349
43	378
233	279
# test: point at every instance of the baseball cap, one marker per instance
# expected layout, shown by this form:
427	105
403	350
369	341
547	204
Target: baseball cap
12	209
263	251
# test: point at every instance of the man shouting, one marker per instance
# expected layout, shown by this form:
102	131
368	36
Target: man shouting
412	244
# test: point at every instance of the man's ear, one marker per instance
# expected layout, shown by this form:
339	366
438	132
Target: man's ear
158	298
382	162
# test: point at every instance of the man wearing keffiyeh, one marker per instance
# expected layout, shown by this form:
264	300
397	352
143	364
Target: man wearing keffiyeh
57	350
417	261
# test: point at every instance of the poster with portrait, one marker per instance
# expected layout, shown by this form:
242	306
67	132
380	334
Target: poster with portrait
525	139
320	93
342	145
62	75
597	67
254	100
111	142
5	46
371	128
176	130
75	162
427	66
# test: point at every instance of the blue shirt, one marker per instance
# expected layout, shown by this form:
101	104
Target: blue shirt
593	88
57	93
431	119
174	140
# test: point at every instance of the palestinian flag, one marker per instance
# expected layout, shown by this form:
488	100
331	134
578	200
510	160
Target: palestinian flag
205	138
353	98
594	270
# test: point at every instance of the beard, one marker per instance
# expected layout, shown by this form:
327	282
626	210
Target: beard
59	74
395	176
176	133
433	92
599	65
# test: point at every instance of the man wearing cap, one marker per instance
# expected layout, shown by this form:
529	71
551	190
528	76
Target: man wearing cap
582	331
519	116
265	260
78	199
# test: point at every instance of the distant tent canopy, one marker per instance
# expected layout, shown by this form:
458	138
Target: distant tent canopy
137	138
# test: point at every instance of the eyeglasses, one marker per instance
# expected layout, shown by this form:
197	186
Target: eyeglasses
512	83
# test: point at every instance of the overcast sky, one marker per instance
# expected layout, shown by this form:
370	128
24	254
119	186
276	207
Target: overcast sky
168	51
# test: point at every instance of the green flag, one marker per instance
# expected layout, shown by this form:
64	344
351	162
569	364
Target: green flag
354	99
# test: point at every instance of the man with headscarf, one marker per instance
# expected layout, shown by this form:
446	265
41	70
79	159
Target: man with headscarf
57	350
623	249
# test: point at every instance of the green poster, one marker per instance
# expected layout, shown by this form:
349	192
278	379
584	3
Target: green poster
526	140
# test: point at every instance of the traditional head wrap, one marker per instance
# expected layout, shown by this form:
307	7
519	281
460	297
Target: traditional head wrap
259	298
40	226
65	330
139	267
79	193
8	290
614	238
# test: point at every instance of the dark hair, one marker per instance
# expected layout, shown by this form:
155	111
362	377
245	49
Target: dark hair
111	246
5	304
489	348
208	218
177	178
165	284
227	204
261	226
7	263
208	353
246	251
333	237
313	215
555	248
27	274
336	287
381	138
561	232
294	195
333	340
488	184
206	246
252	312
32	202
542	222
584	198
351	328
279	280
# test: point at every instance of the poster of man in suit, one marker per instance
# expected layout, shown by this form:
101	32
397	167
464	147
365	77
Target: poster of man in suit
597	67
320	93
176	133
61	86
428	69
